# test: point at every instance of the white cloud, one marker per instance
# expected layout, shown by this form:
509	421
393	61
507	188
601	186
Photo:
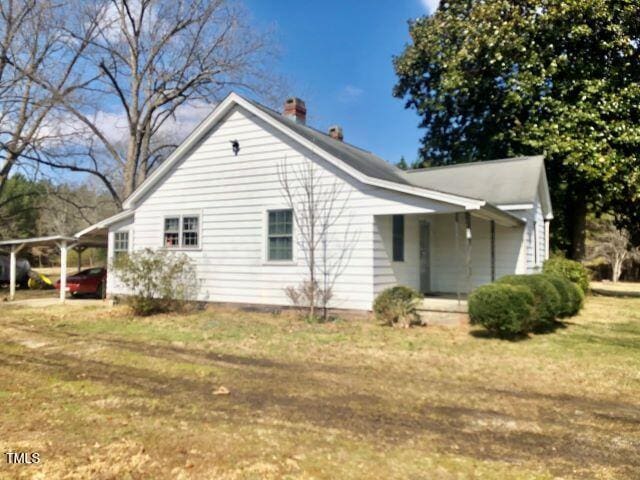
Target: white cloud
430	5
350	93
112	27
114	125
187	118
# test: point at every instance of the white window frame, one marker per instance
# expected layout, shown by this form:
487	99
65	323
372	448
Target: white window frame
180	246
117	250
112	243
265	229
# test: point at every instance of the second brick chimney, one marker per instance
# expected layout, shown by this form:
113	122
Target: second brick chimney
335	131
295	109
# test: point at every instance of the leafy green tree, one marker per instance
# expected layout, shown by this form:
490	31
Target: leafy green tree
19	203
402	164
501	78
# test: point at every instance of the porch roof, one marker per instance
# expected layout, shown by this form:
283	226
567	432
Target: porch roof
501	182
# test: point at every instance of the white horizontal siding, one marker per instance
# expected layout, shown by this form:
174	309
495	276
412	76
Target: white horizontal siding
532	260
232	193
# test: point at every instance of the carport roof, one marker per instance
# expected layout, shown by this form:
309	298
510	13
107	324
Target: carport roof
38	240
52	240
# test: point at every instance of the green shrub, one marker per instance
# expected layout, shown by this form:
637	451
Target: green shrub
547	303
397	305
159	281
573	271
577	299
567	294
504	309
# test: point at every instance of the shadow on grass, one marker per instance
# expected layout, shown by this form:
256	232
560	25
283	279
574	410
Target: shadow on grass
551	327
519	337
280	390
488	335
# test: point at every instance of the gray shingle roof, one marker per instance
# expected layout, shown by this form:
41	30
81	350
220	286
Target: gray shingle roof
362	160
505	181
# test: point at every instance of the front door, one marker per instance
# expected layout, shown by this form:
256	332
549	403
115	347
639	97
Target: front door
425	254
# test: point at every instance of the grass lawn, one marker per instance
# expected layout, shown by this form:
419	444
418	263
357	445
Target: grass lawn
621	288
102	395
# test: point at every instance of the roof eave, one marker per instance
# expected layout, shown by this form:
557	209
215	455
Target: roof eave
502	217
235	99
105	223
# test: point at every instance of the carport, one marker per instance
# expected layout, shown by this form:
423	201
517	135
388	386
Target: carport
79	242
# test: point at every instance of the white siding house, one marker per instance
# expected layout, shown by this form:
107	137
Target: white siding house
217	205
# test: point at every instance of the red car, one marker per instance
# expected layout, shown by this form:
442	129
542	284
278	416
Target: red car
92	281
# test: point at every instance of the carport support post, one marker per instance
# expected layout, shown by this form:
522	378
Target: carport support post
12	270
79	249
63	270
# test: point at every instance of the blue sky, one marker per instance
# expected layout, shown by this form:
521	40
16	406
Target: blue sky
337	57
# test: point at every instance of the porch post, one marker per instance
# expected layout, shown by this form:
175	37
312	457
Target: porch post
493	251
63	270
546	239
467	218
457	251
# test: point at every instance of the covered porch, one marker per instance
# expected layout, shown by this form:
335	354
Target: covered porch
446	255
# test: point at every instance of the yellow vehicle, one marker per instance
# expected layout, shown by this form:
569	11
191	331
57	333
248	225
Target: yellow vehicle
38	281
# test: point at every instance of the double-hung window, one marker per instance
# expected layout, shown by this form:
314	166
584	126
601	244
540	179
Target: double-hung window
182	231
398	238
120	245
190	232
280	235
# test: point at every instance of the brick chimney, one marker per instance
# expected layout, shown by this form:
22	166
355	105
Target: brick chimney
295	109
335	131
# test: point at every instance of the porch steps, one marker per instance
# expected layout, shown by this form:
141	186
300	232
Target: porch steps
443	311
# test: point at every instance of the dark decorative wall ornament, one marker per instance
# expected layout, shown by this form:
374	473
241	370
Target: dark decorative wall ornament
235	146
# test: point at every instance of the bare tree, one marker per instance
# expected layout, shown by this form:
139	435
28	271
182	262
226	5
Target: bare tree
67	209
318	203
605	241
151	59
32	42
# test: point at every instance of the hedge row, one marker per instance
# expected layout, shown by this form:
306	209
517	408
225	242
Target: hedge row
519	304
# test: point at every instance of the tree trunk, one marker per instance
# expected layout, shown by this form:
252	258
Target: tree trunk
9	161
577	227
129	179
616	266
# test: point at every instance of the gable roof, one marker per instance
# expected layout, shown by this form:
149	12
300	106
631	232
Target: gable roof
359	164
362	160
347	158
501	182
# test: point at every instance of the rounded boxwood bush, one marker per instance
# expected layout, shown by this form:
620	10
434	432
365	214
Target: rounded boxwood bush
547	302
577	298
571	270
567	294
397	305
504	309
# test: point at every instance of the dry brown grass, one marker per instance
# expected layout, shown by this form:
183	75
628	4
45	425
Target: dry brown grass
104	395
